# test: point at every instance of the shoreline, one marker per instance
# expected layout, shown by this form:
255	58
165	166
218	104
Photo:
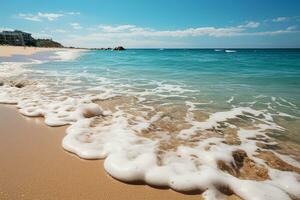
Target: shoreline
8	51
35	166
258	173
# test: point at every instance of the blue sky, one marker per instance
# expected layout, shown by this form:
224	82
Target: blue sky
158	23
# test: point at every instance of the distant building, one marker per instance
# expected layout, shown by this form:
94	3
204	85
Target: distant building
16	37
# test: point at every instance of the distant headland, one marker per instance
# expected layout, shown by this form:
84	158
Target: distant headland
20	38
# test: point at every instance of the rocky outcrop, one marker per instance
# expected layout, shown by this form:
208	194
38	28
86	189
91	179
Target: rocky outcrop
47	43
119	48
106	49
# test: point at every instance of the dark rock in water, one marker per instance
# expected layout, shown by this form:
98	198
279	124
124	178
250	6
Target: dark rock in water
244	167
119	48
239	157
1	83
18	84
21	83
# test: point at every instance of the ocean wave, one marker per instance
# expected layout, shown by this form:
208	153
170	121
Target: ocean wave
230	100
178	146
230	51
66	55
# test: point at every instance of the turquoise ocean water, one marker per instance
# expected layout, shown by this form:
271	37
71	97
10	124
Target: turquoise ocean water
254	77
263	79
169	116
214	79
213	75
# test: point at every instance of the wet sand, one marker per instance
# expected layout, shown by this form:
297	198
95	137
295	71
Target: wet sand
35	166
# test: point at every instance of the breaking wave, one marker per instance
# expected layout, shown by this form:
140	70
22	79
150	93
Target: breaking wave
143	137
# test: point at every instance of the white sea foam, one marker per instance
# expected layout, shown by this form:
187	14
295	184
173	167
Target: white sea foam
10	69
230	100
66	55
117	136
230	51
287	102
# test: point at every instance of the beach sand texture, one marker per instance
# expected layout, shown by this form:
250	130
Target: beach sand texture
6	51
35	166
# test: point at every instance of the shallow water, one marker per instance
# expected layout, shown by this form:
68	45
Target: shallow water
173	118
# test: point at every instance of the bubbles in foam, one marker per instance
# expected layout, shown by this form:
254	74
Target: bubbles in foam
138	143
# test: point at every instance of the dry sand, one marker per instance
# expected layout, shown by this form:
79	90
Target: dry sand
34	165
6	51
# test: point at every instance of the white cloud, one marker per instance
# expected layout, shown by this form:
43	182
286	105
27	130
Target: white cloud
73	13
40	16
134	36
250	25
30	17
280	19
50	16
271	33
132	30
76	26
116	29
44	16
292	28
107	31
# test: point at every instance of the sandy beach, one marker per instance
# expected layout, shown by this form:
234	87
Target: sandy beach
219	153
35	166
107	101
6	51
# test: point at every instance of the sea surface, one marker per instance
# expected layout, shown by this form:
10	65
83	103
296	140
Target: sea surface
176	118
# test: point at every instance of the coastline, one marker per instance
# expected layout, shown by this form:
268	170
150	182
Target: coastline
35	166
88	111
41	166
7	51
